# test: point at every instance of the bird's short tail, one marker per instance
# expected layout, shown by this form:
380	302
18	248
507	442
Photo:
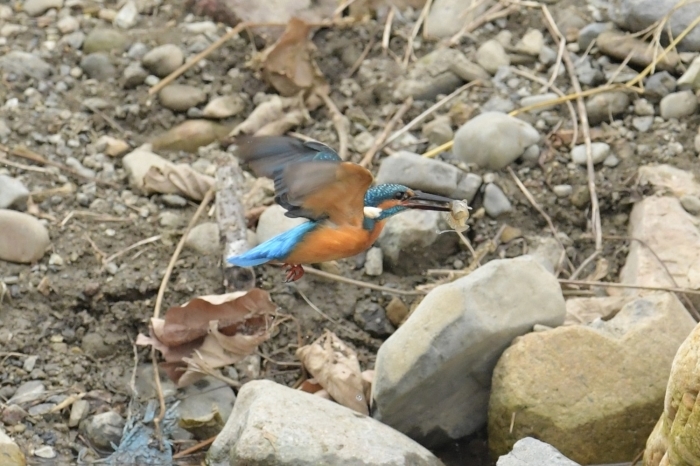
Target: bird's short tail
274	249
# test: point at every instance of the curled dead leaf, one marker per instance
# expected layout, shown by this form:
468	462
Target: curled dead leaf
335	367
210	331
177	179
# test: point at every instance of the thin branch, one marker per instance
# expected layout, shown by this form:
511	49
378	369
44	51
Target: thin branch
379	141
341	123
359	283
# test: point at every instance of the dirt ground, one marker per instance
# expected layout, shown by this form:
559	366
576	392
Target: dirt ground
54	311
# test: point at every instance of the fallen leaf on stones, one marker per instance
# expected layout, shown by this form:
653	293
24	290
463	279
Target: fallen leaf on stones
310	386
336	368
266	113
288	64
458	216
190	135
177	179
211	331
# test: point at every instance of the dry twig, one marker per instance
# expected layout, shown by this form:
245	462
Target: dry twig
414	33
379	141
341	123
350	281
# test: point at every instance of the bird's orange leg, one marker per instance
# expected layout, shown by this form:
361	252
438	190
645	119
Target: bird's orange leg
294	272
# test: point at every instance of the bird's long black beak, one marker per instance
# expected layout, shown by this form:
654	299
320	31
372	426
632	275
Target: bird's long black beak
425	201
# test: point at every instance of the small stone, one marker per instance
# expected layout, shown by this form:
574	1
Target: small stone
532	452
643	107
190	135
170	220
581	197
12	415
678	105
78	411
28	392
163	60
98	66
173	200
439	131
467	187
491	55
563	190
374	262
537	99
134	75
94	345
371	317
181	97
204	238
409	169
531	43
128	16
659	85
591	32
611	161
603	106
496	202
13	193
642	123
39	7
112	146
25	64
224	107
492	140
67	24
396	311
691	204
205	407
23	238
599	151
104	429
104	40
45	451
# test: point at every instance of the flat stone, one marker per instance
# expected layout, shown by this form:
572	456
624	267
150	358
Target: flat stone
531	43
134	75
13	193
104	429
28	392
102	39
496	203
603	106
691	204
605	399
432	376
98	66
23	238
467	187
643	123
224	106
412	237
39	7
563	190
532	452
205	407
667	179
599	151
273	222
620	45
25	64
163	60
204	238
181	97
492	140
417	172
274	424
678	105
674	438
491	55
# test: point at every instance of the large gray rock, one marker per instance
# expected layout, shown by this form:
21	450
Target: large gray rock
593	392
417	172
412	238
492	140
433	375
532	452
272	424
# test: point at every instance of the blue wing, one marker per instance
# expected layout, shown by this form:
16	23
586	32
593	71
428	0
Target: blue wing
276	248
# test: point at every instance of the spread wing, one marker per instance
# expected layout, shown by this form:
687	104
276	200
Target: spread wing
310	178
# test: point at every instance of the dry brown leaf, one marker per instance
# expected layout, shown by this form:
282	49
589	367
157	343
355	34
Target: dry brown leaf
212	331
288	64
177	179
266	112
336	368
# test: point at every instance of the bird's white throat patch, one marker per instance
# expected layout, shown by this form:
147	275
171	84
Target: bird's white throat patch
372	212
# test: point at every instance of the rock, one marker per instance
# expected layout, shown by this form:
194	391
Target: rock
111	146
412	237
190	135
374	262
134	75
204	238
467	187
417	172
12	415
643	107
636	15
672	233
173	200
163	60
128	16
678	105
668	179
620	45
28	392
611	161
95	345
563	190
23	238
491	55
273	221
138	162
305	430
102	430
589	411
372	318
590	33
78	411
205	407
531	43
98	66
104	40
532	452
45	451
439	131
492	140
496	203
25	64
453	339
447	17
643	123
396	311
659	85
39	7
13	193
11	455
599	151
537	99
674	439
691	78
224	107
181	97
587	310
67	24
691	204
603	106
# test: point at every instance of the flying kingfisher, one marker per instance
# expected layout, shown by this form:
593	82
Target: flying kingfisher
311	181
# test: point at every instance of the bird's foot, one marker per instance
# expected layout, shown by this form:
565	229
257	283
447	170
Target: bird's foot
294	272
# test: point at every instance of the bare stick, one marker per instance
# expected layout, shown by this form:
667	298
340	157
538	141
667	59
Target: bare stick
361	58
386	35
22	166
359	283
194	448
341	123
152	239
414	33
429	111
623	285
583	265
376	146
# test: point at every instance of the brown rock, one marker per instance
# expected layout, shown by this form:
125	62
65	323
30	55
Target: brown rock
23	238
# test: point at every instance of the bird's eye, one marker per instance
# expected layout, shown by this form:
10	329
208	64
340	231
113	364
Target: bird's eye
401	195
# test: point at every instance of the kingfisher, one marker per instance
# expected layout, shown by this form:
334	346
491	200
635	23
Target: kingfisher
311	181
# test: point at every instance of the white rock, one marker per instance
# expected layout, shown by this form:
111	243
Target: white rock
531	43
536	99
678	105
491	55
67	24
447	17
496	203
563	190
274	424
492	140
163	60
128	16
13	193
204	238
23	238
433	374
668	179
531	452
691	204
374	262
45	451
224	107
273	221
39	7
599	151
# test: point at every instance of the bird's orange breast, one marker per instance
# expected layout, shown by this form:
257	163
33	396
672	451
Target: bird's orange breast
329	243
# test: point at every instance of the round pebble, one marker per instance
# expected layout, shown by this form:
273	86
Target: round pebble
180	97
496	203
599	151
163	60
